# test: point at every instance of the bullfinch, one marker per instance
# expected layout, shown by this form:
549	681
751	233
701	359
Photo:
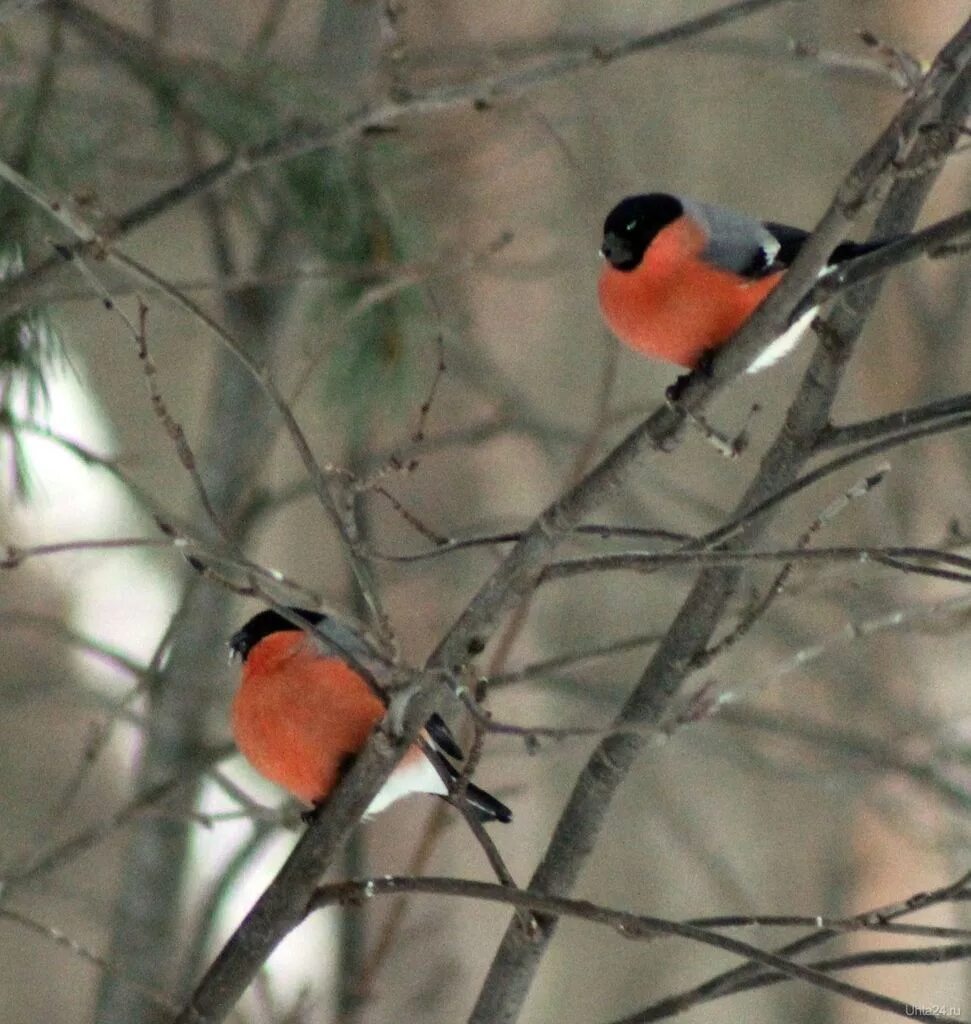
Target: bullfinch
301	714
680	277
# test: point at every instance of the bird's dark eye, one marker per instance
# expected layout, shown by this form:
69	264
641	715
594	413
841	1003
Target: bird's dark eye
631	226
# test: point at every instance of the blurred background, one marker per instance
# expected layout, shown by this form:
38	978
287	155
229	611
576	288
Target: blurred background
837	777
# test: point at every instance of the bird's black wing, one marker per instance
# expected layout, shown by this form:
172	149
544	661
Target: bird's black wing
791	241
442	736
486	806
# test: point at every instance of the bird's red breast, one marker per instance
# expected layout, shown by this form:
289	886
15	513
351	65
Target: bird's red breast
301	715
673	305
298	717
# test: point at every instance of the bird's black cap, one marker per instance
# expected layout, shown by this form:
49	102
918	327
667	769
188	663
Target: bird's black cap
633	223
265	624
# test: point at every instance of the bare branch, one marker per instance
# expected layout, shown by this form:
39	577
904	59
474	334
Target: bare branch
538	669
637	926
14	556
82	952
904	559
645	927
931	241
935	426
170	425
761	606
323	483
853	744
736	979
67	850
904	419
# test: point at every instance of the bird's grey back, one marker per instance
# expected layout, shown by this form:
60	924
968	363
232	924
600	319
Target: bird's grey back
736	242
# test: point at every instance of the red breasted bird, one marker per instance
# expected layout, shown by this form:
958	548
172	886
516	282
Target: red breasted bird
681	277
301	714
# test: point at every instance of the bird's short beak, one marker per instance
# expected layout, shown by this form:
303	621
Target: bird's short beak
237	647
616	250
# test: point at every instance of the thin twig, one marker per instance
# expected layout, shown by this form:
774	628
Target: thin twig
538	669
878	447
77	949
436	99
910	559
853	745
14	556
142	803
171	426
321	481
645	927
760	607
633	926
736	979
879	427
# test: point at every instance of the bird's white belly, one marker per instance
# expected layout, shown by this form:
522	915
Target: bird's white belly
784	344
415	776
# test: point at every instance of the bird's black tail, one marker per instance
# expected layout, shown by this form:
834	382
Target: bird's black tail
486	806
850	250
791	240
